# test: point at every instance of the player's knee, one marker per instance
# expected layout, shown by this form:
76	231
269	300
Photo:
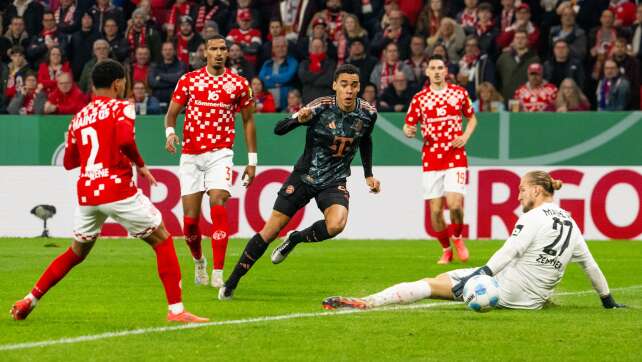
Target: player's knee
335	227
436	214
218	197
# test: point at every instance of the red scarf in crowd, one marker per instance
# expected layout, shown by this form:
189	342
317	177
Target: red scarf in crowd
507	18
135	43
335	26
484	28
45	33
469	17
178	11
315	62
182	51
28	102
204	16
69	15
387	73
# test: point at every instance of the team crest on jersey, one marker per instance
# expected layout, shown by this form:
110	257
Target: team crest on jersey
289	190
453	100
358	125
229	87
219	235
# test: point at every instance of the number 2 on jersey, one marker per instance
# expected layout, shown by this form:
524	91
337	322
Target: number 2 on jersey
548	249
90	136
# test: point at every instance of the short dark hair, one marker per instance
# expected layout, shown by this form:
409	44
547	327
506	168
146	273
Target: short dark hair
217	37
436	57
106	72
346	69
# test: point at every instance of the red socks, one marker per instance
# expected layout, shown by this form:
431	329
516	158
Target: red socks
193	236
220	231
168	270
443	238
55	272
455	230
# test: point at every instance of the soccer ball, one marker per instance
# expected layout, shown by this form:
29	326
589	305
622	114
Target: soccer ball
481	293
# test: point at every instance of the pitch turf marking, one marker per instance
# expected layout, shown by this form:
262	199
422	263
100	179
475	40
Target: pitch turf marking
133	332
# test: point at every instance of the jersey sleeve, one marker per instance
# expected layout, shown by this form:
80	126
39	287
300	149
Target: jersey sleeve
71	159
583	256
246	97
181	92
467	106
125	134
522	236
414	112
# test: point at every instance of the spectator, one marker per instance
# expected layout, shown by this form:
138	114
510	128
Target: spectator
624	11
603	38
275	30
352	30
570	98
512	65
68	16
637	35
369	94
139	68
451	36
562	66
383	20
507	15
15	35
49	37
358	57
27	97
140	34
417	61
198	59
629	68
397	96
248	38
30	11
17	70
537	95
382	73
263	100
574	36
81	43
333	17
117	43
212	10
319	27
278	73
187	41
238	64
210	29
588	11
613	91
468	17
54	65
66	98
143	102
163	76
104	10
474	68
316	73
486	30
430	18
393	33
295	102
101	52
522	22
243	6
179	9
488	99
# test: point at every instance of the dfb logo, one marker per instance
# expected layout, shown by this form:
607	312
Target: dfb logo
213	96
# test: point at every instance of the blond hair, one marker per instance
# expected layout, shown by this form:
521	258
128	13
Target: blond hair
544	179
576	98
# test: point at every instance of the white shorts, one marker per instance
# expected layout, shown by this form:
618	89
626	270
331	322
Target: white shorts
437	183
511	295
206	171
136	214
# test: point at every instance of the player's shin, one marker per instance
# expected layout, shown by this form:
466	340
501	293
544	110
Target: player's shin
444	238
55	272
220	232
315	233
400	293
254	249
456	230
169	272
193	236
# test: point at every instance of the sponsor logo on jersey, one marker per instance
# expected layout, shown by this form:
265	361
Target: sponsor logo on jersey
213	96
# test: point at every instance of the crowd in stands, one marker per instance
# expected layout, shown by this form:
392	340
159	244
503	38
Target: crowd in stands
528	55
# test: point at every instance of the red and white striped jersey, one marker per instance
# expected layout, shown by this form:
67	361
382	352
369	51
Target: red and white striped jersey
439	113
212	102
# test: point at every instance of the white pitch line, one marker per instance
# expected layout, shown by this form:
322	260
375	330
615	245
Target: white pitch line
131	332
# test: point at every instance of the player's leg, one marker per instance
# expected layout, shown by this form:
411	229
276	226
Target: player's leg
88	221
254	249
402	293
220	233
455	188
192	189
433	182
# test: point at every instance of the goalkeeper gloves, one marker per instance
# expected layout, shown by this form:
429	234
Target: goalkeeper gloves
609	303
458	289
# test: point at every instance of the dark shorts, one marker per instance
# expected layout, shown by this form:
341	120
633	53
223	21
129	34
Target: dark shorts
295	194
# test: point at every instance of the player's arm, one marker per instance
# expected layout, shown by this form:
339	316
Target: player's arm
72	157
365	150
170	124
469	113
127	143
249	130
302	117
583	256
412	118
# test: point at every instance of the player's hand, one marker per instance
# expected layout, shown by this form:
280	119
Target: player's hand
305	114
409	131
171	142
373	184
145	173
458	289
248	175
609	303
460	141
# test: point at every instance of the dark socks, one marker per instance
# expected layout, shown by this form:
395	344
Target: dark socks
315	233
253	251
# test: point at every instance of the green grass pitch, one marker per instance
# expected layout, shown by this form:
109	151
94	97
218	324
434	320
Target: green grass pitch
117	290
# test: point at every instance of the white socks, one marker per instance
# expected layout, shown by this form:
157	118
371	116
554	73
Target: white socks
400	293
33	299
176	308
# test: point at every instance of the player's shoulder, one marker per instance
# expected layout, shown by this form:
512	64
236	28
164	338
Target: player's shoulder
235	77
456	88
367	108
193	74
